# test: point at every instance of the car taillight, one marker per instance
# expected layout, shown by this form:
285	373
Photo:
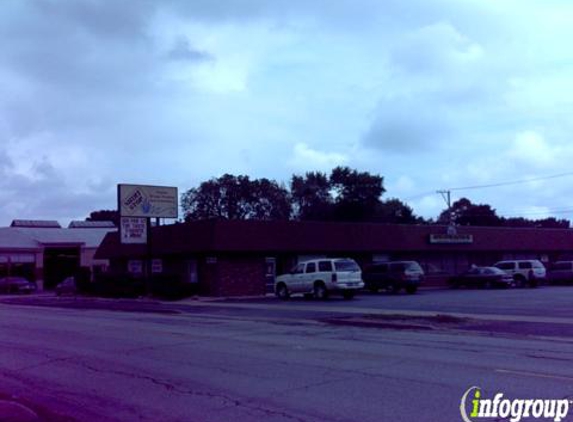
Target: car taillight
334	278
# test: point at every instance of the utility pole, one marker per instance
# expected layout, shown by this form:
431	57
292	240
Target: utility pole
446	195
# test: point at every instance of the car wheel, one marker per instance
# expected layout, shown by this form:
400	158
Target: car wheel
282	292
349	294
520	281
411	289
320	291
487	285
393	289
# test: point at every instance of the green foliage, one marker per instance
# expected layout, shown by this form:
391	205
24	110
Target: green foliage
236	198
395	211
344	195
105	215
311	196
466	213
356	194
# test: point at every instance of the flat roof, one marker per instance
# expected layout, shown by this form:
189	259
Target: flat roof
321	237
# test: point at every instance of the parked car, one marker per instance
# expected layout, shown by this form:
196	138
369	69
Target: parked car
393	276
68	286
525	272
16	285
320	278
485	277
560	272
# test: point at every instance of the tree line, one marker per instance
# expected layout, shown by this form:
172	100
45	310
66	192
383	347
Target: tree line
345	195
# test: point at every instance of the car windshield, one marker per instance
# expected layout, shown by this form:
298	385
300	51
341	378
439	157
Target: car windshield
346	265
412	266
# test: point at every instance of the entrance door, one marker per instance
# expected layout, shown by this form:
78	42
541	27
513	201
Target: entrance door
270	274
60	263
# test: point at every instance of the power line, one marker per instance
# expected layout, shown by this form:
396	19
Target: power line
515	182
493	185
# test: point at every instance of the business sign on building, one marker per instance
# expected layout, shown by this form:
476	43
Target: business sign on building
450	238
147	201
135	266
133	230
156	266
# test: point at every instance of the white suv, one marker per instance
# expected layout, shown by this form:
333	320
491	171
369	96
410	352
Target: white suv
524	271
319	277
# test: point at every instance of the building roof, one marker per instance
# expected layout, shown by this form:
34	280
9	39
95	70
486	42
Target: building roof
325	237
14	238
80	224
53	224
11	238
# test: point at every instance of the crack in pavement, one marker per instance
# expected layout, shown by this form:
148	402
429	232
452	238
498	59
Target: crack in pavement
227	400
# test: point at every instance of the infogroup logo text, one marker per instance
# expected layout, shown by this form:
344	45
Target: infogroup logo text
473	407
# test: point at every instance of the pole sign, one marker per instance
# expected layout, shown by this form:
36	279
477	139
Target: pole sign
133	230
147	201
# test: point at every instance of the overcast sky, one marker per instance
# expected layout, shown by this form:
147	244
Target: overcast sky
430	94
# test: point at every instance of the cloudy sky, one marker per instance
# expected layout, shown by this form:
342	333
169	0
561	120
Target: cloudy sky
429	94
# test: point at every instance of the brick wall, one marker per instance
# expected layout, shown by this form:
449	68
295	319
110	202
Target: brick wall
239	276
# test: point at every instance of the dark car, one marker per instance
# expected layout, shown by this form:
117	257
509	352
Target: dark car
393	276
68	286
16	285
561	272
485	277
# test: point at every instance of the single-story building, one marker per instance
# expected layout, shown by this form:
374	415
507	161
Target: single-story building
242	257
45	252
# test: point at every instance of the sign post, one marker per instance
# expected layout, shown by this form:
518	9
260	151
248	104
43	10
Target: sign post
137	205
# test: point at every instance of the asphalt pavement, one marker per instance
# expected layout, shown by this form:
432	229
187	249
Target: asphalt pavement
375	358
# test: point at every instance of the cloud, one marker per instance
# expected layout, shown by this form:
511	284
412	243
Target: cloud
93	93
439	47
182	51
307	159
406	125
531	150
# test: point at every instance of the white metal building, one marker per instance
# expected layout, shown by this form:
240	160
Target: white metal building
47	253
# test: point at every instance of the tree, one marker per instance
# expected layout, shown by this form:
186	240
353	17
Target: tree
356	194
468	214
105	215
395	211
546	223
236	198
311	197
465	213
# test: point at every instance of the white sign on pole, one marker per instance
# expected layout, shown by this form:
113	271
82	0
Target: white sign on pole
133	230
147	201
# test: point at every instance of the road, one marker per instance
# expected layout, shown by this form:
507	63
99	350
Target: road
306	361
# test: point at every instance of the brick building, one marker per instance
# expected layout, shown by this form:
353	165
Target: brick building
227	258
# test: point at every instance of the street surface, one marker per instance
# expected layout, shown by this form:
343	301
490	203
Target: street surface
375	358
